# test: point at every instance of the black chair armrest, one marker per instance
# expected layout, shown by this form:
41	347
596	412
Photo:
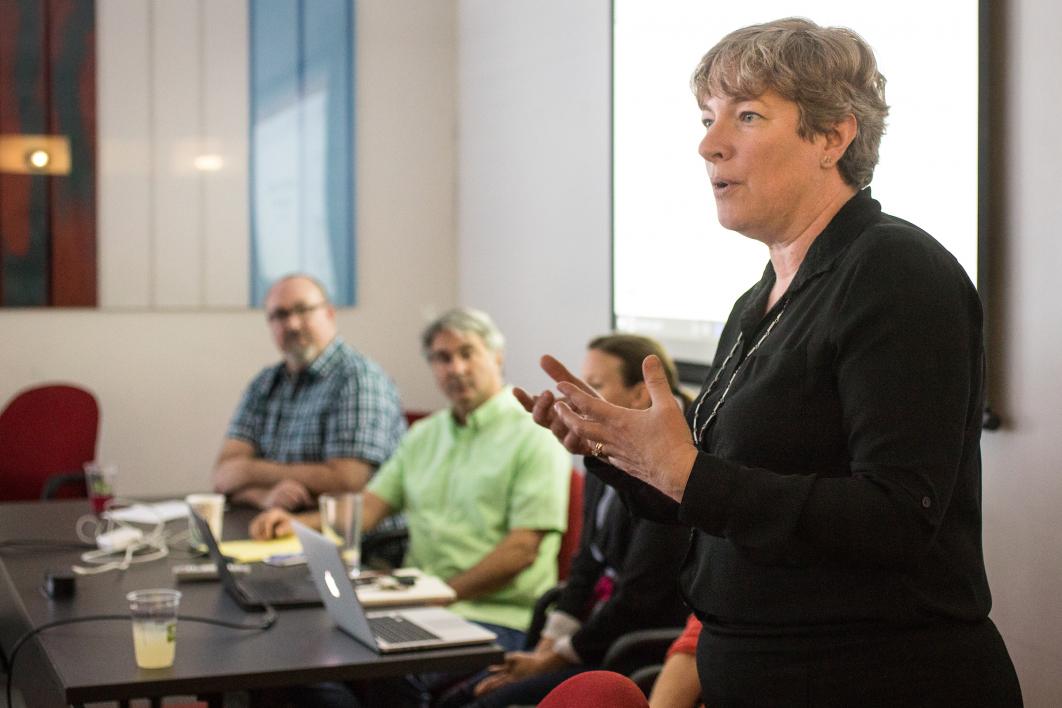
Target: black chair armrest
635	650
374	539
542	607
384	550
56	482
645	677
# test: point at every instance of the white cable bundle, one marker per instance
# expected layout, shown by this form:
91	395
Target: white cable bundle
120	544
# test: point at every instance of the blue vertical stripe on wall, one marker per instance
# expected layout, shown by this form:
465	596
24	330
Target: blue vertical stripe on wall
302	144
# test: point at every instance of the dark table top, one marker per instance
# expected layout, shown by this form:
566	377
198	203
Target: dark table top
93	661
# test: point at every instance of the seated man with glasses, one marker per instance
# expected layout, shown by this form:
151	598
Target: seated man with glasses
322	420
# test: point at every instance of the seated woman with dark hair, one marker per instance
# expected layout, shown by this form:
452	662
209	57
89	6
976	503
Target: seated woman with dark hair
624	576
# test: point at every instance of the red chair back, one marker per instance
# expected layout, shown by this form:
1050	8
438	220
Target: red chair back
413	416
596	689
570	539
44	431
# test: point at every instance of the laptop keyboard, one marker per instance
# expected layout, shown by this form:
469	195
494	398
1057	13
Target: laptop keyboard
396	630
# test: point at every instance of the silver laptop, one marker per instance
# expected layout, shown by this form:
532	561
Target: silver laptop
384	631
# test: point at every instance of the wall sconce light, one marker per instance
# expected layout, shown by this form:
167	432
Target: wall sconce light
35	154
208	163
38	159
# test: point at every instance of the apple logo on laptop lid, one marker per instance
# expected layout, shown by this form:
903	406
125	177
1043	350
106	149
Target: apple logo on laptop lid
331	583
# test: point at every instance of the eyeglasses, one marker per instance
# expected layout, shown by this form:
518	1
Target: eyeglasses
281	315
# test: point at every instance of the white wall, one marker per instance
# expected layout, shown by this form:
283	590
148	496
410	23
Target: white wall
167	382
1023	463
534	151
173	85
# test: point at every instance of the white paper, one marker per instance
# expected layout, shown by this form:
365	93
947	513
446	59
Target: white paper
150	513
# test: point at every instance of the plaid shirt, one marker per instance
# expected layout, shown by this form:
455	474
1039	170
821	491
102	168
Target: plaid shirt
341	405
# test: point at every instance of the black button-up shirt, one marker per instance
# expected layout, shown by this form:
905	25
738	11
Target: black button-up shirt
839	483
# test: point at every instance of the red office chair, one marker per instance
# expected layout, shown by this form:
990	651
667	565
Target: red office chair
570	539
596	689
569	547
46	434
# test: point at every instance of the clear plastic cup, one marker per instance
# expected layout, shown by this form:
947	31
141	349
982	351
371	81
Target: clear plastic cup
154	614
100	482
341	521
212	508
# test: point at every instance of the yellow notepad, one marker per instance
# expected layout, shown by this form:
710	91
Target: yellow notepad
253	551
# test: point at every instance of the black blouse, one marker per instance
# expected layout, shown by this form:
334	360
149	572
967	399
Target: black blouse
840	482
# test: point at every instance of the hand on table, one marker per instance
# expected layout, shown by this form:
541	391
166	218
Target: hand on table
271	523
288	494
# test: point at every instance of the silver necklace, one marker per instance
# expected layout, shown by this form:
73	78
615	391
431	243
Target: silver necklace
698	433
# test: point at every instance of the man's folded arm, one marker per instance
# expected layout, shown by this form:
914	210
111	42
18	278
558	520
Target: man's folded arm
513	554
238	469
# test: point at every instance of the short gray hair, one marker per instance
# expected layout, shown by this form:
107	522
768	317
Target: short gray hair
465	320
829	72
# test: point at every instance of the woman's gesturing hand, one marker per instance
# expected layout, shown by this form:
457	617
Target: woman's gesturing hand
542	407
653	445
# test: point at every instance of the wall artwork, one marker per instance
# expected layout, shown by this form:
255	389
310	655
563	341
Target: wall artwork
47	153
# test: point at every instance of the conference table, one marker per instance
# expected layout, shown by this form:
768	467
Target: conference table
94	661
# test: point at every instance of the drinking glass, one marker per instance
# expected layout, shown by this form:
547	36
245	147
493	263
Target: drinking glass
100	482
341	521
154	614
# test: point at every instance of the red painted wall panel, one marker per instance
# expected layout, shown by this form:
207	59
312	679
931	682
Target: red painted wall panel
72	45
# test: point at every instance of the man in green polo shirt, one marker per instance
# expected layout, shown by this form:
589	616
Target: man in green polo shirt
484	490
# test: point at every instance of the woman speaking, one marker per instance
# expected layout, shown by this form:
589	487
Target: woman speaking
830	466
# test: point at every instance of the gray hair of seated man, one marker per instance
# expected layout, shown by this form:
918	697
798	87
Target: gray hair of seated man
465	320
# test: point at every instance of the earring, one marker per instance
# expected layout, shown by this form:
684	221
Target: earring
826	161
